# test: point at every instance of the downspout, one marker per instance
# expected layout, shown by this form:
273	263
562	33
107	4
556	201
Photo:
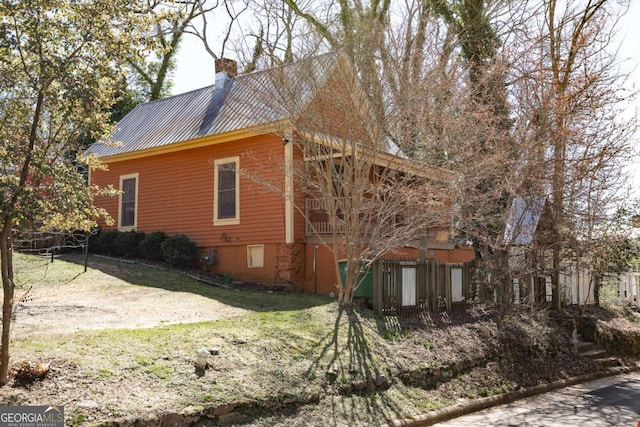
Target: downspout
315	278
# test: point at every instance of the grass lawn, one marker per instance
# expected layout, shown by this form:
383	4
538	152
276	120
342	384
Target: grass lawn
121	341
276	350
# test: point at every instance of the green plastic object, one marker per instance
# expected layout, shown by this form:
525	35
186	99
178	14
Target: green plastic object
365	280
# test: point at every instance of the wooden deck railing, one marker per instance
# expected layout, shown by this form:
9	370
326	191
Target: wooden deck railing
318	221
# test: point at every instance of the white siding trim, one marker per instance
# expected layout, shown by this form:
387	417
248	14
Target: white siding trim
288	189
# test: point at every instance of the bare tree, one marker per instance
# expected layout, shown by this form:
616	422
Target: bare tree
229	20
435	78
574	95
168	22
517	101
356	190
280	36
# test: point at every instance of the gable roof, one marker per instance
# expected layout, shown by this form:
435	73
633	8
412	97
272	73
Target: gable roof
524	216
230	105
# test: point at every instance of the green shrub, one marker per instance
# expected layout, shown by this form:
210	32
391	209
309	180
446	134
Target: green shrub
151	246
179	251
93	240
105	242
126	244
609	298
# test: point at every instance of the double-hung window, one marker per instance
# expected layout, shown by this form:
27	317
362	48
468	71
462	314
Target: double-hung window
226	209
128	209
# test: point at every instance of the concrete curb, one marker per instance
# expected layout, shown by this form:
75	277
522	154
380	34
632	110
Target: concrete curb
475	405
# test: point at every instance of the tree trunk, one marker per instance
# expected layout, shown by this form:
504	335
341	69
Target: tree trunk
503	280
352	269
555	278
6	263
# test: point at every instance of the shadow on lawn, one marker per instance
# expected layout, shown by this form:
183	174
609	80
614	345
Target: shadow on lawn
175	280
355	371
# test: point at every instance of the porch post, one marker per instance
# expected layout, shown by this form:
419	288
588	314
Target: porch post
423	247
288	189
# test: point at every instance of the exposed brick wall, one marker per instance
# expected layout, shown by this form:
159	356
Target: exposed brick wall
453	256
290	263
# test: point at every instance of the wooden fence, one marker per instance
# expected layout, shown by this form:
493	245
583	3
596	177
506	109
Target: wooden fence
409	287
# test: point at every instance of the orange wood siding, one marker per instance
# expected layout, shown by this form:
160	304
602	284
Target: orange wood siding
176	195
176	191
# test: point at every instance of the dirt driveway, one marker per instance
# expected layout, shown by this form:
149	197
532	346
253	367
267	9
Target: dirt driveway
107	296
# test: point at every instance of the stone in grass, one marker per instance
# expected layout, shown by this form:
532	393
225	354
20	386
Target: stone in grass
289	399
382	381
224	409
232	418
193	411
88	404
331	375
214	351
174	420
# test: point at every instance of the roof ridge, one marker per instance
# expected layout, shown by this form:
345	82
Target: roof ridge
176	95
212	109
247	75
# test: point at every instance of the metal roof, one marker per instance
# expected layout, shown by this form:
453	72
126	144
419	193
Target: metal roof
524	216
231	104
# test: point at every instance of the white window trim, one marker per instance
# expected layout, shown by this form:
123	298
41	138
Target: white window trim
249	264
135	212
216	164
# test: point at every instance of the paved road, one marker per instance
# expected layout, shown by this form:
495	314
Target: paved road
611	401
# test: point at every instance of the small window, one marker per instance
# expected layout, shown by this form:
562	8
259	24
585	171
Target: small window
128	202
409	286
226	198
457	294
255	256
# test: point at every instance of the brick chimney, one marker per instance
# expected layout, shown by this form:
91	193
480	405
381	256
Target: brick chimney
227	65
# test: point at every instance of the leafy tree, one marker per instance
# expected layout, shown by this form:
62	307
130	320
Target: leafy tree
126	99
152	65
168	23
59	67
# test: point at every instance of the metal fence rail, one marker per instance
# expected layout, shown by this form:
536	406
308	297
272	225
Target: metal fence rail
51	242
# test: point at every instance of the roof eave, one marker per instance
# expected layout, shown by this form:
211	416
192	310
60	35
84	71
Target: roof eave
204	141
386	159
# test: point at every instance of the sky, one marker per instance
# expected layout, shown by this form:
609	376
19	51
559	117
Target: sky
195	68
